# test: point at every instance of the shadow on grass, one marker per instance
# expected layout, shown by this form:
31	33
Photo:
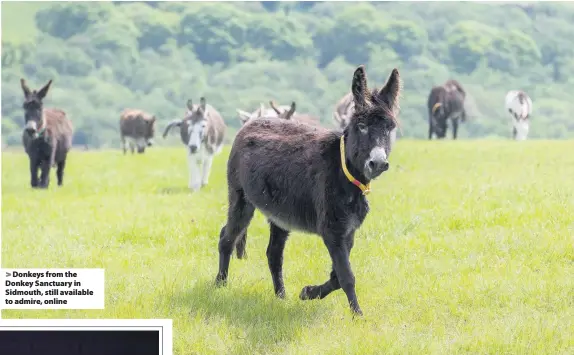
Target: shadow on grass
174	190
265	320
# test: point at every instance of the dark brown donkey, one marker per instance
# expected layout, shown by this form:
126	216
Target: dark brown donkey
446	102
47	136
310	179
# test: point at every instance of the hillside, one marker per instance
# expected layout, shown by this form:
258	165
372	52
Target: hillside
104	57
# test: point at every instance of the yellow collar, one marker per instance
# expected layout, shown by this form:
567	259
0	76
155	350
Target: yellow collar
365	188
435	107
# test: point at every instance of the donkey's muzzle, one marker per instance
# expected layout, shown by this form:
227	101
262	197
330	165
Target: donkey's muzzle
31	127
377	167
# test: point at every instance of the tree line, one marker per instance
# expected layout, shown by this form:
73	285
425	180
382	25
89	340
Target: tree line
105	56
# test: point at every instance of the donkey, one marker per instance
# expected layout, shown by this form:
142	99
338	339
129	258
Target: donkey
47	136
343	112
446	102
519	105
202	131
310	179
137	128
275	111
261	111
300	117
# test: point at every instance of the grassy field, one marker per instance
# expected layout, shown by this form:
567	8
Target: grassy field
468	249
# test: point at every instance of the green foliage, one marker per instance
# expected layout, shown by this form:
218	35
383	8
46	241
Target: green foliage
104	57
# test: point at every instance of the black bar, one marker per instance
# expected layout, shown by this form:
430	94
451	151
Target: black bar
79	342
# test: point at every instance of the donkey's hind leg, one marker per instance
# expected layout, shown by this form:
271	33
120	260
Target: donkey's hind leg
239	215
60	172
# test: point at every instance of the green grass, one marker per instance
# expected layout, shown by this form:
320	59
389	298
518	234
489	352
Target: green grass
468	249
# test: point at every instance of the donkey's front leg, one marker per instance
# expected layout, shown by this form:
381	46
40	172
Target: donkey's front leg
322	291
194	178
278	237
207	161
45	174
339	252
33	172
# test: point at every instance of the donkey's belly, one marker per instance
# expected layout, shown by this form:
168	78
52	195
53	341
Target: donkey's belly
288	222
287	211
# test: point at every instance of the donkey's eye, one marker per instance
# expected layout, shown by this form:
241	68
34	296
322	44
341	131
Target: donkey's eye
362	128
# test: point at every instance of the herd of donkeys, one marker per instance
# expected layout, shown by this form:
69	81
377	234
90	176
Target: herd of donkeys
47	136
300	175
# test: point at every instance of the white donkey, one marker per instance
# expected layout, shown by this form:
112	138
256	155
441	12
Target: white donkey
344	109
275	111
245	116
202	130
519	105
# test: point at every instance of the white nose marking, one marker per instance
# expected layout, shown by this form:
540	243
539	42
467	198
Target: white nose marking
378	153
31	124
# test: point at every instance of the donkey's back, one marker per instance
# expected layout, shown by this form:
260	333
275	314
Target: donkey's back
262	165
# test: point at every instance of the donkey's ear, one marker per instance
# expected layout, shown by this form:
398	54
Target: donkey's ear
241	113
190	105
25	87
43	91
291	111
202	103
274	107
359	87
243	116
389	94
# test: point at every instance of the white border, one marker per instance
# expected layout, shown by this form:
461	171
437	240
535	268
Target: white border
164	326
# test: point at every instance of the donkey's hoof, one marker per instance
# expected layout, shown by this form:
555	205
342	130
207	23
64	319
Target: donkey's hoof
280	294
309	293
220	282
